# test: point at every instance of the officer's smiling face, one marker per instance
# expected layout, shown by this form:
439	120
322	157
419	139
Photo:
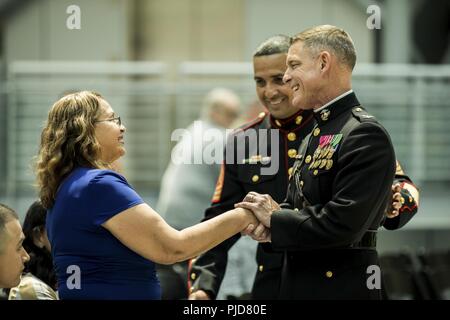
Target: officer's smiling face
303	75
273	93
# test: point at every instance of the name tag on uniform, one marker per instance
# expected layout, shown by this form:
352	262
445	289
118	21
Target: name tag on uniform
257	159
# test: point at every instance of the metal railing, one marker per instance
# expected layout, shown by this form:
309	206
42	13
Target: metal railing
137	91
411	101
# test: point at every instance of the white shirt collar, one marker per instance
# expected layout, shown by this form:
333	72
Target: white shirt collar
333	101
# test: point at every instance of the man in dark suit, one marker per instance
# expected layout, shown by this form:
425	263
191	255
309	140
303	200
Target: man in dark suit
243	174
341	182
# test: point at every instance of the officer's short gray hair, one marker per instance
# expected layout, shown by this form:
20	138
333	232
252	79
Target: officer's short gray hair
331	38
273	45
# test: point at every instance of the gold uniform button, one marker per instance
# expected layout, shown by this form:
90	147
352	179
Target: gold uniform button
298	120
329	274
292	153
278	123
291	136
262	115
290	171
315	172
255	178
410	199
316	132
308	159
261	268
402	200
358	109
193	276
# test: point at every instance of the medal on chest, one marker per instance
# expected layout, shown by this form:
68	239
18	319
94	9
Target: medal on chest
323	155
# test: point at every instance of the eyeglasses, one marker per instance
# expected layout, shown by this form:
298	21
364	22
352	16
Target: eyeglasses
116	120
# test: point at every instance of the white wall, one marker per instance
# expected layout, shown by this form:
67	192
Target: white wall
265	18
173	30
38	31
180	30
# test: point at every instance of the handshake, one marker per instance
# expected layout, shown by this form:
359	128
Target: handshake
262	206
258	209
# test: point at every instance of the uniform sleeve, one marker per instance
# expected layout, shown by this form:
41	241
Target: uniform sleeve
208	270
409	205
109	195
360	191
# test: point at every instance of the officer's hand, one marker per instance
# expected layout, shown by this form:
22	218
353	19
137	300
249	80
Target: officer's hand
199	295
254	196
262	205
259	233
396	204
249	230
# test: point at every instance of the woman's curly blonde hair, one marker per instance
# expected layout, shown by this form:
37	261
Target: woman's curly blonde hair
68	141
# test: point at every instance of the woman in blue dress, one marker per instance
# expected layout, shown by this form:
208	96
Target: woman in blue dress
105	239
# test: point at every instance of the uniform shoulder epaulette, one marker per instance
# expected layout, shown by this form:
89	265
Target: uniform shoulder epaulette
251	124
362	115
